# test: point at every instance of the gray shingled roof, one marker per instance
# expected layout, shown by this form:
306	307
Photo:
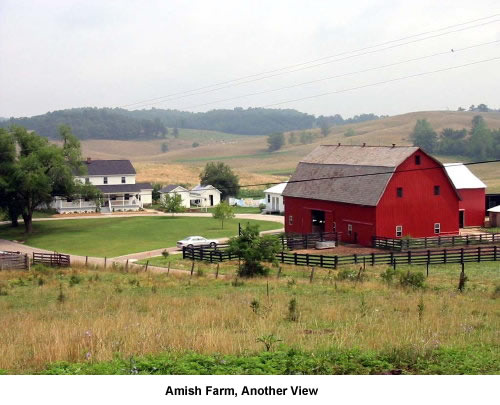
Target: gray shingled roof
170	187
109	167
124	188
344	161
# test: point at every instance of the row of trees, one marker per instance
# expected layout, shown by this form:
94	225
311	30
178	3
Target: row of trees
479	142
34	171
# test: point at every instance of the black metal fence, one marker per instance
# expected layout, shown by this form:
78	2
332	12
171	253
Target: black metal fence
442	256
435	241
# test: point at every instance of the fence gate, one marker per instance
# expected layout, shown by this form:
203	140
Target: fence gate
52	259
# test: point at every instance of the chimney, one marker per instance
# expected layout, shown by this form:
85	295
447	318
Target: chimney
364	144
339	144
89	160
393	145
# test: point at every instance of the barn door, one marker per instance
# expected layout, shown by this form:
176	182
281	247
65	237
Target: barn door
461	219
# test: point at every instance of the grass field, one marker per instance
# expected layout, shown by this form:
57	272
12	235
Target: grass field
113	237
91	321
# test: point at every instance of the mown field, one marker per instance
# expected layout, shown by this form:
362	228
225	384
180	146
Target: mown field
91	321
113	237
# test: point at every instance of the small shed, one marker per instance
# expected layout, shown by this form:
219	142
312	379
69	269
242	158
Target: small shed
205	196
494	214
274	199
173	189
472	191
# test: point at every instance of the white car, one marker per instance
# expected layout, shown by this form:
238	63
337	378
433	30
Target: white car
192	241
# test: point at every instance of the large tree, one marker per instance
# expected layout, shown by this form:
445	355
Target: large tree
275	141
34	171
424	136
220	175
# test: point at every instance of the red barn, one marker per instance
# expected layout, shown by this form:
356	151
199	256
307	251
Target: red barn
367	191
472	192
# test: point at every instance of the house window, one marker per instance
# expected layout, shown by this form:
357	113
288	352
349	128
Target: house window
437	229
69	200
417	159
269	198
113	198
87	180
349	229
437	190
290	220
123	180
105	181
334	227
399	231
399	192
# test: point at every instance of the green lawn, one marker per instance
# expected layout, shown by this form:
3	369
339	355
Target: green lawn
119	236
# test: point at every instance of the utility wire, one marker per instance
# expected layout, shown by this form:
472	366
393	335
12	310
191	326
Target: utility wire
361	175
454	50
302	66
379	83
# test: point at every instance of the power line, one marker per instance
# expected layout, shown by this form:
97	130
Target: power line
454	50
302	66
379	83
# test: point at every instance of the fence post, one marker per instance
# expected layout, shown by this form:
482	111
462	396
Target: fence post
373	259
87	261
312	275
192	268
27	262
126	266
409	256
306	244
105	260
467	240
463	279
478	254
461	255
452	241
211	257
355	258
336	262
279	272
307	259
295	259
168	269
495	253
147	264
445	257
183	252
364	262
425	242
321	261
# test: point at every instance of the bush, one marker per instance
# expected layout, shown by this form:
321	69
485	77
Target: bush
389	275
413	280
347	274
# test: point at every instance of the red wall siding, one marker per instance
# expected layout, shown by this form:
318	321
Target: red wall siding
473	204
361	218
419	209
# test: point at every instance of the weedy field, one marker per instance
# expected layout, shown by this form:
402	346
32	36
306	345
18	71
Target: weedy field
91	321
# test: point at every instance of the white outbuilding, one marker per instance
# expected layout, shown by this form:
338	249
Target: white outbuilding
494	215
204	196
274	199
174	189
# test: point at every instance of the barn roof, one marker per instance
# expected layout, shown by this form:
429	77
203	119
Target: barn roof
462	177
355	167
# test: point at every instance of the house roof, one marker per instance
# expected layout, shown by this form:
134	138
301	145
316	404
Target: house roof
494	209
171	187
109	167
277	189
124	188
349	171
199	188
462	177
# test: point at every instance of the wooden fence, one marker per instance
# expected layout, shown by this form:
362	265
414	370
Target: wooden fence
14	261
308	241
442	256
52	259
435	241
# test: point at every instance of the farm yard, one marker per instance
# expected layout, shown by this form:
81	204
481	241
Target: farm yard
113	237
96	321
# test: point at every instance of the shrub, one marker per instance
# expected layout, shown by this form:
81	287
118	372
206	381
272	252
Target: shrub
293	313
496	292
268	341
347	274
75	279
255	305
413	280
389	275
165	254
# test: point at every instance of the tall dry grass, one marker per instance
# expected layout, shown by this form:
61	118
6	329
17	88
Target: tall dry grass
129	314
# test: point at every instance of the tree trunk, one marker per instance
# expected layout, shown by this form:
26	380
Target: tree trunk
13	216
28	223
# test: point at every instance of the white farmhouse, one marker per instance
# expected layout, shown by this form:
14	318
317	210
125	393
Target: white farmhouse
274	199
205	196
173	189
116	181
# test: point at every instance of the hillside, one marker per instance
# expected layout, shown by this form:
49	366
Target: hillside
248	154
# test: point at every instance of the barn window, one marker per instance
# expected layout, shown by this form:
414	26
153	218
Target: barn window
349	229
105	181
437	228
290	220
123	180
437	190
269	198
399	192
417	159
399	231
334	227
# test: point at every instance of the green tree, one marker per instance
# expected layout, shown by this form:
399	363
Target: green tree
350	132
220	175
292	139
424	136
155	194
175	132
223	211
325	128
172	203
164	147
275	141
34	171
254	250
481	140
195	144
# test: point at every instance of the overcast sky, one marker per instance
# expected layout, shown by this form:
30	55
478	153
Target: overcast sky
64	54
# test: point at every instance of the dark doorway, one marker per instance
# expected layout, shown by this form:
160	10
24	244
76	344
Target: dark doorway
355	239
318	221
211	200
461	218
